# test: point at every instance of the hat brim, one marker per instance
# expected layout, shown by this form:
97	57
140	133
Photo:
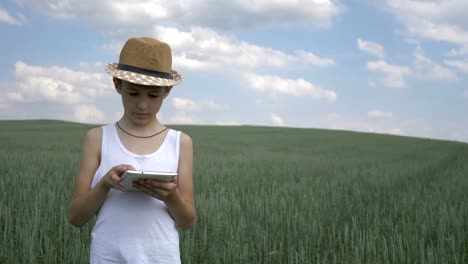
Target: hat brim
142	79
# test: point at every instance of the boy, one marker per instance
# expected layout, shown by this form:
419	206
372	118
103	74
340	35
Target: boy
136	227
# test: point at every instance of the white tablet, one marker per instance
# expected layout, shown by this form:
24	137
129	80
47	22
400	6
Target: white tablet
130	176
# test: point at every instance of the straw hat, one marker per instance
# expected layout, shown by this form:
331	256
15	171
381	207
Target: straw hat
145	61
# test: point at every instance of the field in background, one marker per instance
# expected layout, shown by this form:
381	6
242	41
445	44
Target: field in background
263	195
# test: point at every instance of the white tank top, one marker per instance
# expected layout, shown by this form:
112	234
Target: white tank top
132	227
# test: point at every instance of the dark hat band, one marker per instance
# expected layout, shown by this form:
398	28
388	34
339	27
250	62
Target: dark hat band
138	70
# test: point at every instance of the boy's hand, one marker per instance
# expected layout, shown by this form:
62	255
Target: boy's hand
113	178
163	191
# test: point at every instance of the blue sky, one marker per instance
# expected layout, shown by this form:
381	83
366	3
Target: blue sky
396	67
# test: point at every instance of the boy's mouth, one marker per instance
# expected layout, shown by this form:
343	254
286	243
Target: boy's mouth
140	115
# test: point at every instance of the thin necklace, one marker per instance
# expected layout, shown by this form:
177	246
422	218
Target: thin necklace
140	136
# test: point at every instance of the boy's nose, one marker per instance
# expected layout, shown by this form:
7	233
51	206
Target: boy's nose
142	103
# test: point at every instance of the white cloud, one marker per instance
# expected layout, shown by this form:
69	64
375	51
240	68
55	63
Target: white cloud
430	30
228	123
183	118
3	100
313	59
69	92
117	115
391	131
372	48
206	50
210	13
458	64
92	66
426	69
394	74
458	52
407	126
48	89
333	116
396	131
372	84
379	114
57	84
19	20
433	19
88	114
293	87
183	104
276	120
352	124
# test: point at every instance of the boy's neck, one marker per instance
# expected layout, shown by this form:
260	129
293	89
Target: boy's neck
151	126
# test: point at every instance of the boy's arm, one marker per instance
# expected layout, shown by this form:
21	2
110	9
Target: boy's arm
86	201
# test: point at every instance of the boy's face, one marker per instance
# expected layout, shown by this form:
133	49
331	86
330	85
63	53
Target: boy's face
141	103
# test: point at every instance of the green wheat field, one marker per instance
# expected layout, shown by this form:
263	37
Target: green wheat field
263	195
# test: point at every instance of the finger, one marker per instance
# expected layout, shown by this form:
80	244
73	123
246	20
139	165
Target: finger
154	183
120	168
148	191
157	191
147	185
159	184
115	182
115	178
123	168
119	187
129	167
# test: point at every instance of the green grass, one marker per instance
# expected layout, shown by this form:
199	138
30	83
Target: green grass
263	195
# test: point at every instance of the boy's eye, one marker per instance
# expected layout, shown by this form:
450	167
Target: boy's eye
132	94
154	95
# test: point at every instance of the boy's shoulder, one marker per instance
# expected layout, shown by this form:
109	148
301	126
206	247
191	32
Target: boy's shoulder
94	134
95	131
185	139
92	142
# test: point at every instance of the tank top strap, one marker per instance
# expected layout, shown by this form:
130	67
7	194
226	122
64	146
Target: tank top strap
174	141
106	137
